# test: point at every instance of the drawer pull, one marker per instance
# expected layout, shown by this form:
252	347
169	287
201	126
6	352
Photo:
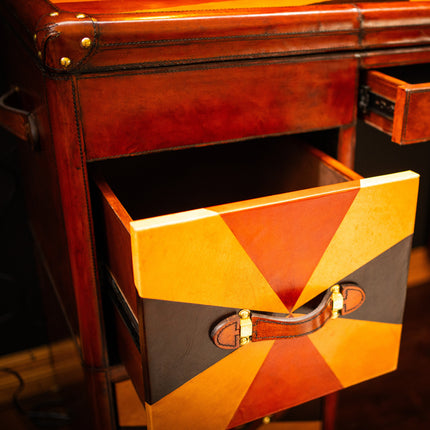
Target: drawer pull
245	326
19	122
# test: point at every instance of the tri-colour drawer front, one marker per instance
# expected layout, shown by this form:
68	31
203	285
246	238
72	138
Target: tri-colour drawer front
259	275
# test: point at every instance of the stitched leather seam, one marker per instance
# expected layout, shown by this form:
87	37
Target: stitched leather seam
221	331
232	37
285	10
83	58
111	70
84	173
92	50
359	304
94	275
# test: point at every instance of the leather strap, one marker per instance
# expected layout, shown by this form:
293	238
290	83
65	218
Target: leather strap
17	121
227	333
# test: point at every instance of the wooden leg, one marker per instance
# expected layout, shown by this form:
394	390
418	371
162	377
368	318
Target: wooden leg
75	198
330	411
101	399
346	145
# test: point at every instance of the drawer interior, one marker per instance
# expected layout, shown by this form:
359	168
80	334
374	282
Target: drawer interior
412	74
167	182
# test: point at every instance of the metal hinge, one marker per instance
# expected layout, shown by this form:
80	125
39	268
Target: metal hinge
337	301
369	101
245	326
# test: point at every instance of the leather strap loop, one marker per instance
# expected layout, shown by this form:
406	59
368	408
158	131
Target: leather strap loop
227	333
17	121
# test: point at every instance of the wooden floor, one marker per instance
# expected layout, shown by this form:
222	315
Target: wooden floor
49	416
30	397
398	401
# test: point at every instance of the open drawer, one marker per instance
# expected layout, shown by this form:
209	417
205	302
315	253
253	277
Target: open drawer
397	101
317	254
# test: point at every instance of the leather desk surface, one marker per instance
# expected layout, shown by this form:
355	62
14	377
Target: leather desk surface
123	35
178	5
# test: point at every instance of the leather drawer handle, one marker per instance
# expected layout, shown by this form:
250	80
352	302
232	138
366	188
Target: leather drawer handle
245	326
19	122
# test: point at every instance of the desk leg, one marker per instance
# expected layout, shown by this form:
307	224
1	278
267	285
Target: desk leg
346	145
71	165
330	411
346	155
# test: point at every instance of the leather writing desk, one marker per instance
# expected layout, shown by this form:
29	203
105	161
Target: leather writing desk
108	80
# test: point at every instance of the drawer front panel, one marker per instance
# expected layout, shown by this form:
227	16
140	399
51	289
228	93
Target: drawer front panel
152	110
398	108
273	254
410	119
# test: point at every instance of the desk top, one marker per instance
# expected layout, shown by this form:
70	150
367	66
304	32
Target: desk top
183	5
86	36
177	5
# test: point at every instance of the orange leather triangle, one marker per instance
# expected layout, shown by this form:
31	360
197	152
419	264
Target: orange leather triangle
286	241
292	373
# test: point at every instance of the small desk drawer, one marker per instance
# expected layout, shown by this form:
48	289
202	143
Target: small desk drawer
397	101
197	235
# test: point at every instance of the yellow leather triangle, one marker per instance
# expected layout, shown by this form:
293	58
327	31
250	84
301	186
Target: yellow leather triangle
381	215
194	257
210	400
358	350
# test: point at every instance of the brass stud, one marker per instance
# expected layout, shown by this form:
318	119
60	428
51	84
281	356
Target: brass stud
35	37
244	313
54	14
243	341
266	420
39	54
80	15
86	42
65	62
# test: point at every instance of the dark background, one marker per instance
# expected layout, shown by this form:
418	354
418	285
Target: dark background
21	312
